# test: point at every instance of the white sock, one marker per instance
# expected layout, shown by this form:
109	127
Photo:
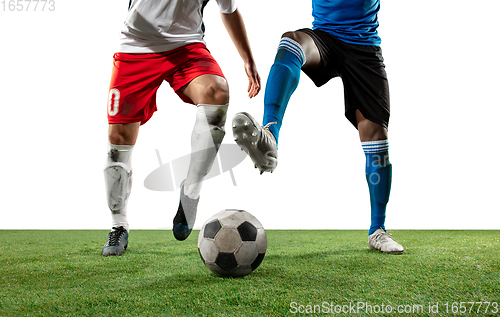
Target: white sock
206	138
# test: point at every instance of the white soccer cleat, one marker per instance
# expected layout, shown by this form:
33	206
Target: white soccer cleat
382	241
258	142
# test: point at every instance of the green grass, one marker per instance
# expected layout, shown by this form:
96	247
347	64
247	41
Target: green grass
54	273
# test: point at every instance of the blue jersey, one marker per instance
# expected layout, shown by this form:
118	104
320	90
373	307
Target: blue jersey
352	21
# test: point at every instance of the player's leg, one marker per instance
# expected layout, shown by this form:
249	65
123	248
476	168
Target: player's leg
378	171
131	102
296	51
378	168
211	95
118	182
367	101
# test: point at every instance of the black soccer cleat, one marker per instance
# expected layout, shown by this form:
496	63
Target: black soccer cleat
117	242
182	227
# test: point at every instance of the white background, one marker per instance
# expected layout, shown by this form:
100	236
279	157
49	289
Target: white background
442	62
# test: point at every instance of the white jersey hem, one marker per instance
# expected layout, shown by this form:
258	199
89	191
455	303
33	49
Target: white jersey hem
130	48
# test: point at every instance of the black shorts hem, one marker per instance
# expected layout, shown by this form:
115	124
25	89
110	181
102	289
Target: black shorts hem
362	70
350	115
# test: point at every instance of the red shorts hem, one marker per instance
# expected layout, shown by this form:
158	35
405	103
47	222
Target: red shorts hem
123	121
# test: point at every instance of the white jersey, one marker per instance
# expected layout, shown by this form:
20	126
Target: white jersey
163	25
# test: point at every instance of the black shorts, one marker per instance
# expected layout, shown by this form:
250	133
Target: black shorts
362	70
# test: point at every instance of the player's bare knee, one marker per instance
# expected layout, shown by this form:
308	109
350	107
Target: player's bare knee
118	138
217	92
369	131
115	137
122	134
290	34
298	37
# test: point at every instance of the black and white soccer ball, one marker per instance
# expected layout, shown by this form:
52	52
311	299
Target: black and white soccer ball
232	243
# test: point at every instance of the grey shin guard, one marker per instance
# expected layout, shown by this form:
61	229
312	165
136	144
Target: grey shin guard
118	182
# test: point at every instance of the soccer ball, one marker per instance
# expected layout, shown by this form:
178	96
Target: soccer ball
232	243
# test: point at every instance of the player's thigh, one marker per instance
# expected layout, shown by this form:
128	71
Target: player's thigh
311	52
366	91
198	78
135	79
207	89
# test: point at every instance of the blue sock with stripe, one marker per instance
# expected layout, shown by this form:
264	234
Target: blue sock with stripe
378	175
282	81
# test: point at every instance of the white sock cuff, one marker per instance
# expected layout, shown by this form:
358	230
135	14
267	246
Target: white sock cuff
375	146
120	220
212	106
215	114
120	147
119	154
293	47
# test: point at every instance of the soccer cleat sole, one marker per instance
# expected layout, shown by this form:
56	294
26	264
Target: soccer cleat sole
113	250
245	133
387	252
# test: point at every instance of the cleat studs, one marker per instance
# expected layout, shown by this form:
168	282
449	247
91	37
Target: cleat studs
261	172
255	166
234	126
235	139
254	134
253	143
241	148
246	123
244	136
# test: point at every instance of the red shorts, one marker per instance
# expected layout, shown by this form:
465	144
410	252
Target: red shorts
136	78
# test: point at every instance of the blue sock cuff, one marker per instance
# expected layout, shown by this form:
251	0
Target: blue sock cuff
293	47
375	228
275	132
374	147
